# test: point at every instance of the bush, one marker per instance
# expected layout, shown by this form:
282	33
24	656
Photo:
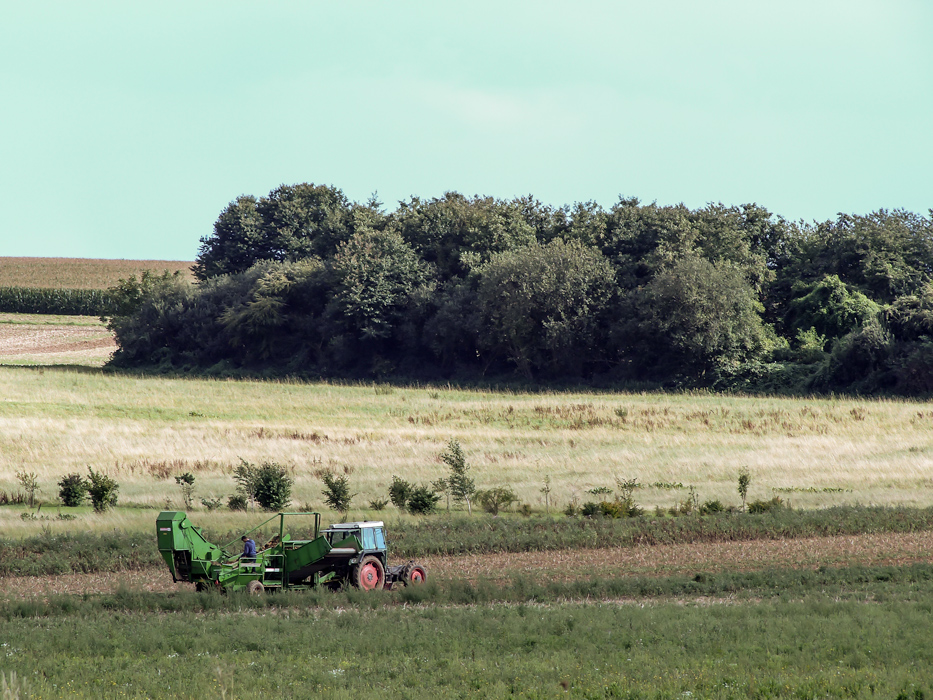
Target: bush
494	499
399	492
268	484
73	490
103	491
590	509
766	506
237	502
422	500
378	503
212	503
273	487
711	507
336	491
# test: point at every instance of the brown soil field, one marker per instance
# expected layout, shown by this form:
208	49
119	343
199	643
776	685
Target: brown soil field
80	273
51	344
661	560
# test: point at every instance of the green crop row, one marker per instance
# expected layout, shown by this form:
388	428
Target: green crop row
805	642
51	554
65	302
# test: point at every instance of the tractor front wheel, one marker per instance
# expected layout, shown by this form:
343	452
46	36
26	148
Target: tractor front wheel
255	588
369	574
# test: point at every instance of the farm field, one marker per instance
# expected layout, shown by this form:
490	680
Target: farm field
40	340
79	273
717	619
144	430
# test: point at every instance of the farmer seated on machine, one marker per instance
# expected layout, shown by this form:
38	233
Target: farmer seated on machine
249	550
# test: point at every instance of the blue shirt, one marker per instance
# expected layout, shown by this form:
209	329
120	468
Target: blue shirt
249	548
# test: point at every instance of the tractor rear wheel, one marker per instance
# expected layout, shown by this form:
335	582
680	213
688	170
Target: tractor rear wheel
255	588
414	574
369	574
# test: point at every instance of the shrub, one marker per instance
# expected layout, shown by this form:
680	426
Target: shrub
212	503
237	502
590	509
378	503
525	510
73	490
268	484
399	492
103	491
711	507
766	506
336	491
273	489
494	499
422	500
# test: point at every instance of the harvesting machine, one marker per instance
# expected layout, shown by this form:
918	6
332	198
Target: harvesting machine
353	553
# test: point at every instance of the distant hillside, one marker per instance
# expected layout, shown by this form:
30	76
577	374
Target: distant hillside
79	273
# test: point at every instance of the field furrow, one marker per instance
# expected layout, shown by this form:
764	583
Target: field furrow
659	560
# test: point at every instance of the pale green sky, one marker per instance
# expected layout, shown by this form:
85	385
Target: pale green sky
127	129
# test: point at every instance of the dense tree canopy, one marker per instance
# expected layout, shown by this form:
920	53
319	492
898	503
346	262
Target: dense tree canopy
303	280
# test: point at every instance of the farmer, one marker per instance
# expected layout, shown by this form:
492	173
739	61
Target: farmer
249	550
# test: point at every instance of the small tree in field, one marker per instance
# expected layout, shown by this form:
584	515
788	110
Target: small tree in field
461	486
336	492
103	491
72	489
745	480
30	483
186	484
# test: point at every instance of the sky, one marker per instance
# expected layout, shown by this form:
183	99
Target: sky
128	127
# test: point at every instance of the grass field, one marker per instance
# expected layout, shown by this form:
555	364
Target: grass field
145	430
856	634
74	273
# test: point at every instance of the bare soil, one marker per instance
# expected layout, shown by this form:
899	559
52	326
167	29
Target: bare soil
660	560
51	344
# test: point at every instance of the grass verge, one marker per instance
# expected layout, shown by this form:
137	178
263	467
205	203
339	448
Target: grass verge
802	640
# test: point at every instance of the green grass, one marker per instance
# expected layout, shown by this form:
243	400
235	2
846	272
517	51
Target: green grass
802	643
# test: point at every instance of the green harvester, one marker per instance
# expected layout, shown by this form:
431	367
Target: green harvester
345	553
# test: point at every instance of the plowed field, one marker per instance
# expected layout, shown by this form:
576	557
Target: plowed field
662	560
55	344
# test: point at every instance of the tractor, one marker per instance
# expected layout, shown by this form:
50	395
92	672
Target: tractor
345	553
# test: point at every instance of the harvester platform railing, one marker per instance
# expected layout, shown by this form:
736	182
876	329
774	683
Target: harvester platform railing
281	519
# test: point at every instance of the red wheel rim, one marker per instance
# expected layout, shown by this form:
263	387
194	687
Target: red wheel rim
369	576
417	575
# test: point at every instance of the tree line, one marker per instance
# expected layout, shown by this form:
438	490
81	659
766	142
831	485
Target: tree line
304	281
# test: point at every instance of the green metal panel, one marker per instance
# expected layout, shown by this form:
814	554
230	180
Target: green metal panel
306	554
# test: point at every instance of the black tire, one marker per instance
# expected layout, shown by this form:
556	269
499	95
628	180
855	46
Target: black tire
414	574
369	574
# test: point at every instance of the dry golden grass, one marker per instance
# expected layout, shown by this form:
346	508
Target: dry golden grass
79	273
144	431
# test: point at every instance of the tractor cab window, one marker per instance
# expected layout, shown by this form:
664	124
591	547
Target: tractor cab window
369	538
380	538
